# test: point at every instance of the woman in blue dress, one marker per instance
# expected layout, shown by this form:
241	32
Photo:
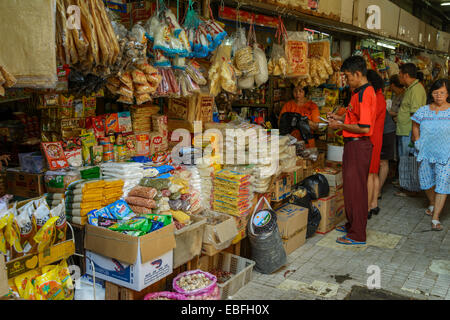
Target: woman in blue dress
431	133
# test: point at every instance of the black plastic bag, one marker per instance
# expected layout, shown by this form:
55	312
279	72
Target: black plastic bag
291	121
314	218
310	185
304	202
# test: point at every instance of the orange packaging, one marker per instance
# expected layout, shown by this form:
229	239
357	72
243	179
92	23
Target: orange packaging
112	123
297	57
142	145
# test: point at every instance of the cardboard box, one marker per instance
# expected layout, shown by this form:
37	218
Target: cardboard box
291	219
27	185
389	16
127	248
333	164
327	208
340	216
339	197
4	287
136	276
430	37
219	236
141	261
422	33
335	190
295	242
334	176
443	41
341	10
29	262
408	28
297	175
282	187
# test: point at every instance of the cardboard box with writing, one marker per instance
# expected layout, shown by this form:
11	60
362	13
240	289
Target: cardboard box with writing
339	197
220	236
23	184
131	262
296	241
388	16
340	216
342	10
408	28
327	208
333	176
282	187
291	219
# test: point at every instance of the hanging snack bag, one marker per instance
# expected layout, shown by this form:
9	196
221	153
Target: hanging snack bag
66	106
127	79
142	145
27	227
296	48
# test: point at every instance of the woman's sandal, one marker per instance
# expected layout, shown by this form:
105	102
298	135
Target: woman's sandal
436	225
429	211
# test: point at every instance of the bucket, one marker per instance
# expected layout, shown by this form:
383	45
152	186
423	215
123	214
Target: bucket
335	153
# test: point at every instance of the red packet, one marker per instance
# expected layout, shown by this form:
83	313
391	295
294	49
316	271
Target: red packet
98	124
54	154
112	123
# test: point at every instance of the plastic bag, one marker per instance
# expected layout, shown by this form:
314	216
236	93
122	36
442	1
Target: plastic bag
296	49
197	285
165	295
263	74
317	186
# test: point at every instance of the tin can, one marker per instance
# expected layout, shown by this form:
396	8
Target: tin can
108	147
108	156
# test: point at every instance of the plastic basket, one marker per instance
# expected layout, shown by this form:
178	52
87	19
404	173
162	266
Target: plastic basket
240	267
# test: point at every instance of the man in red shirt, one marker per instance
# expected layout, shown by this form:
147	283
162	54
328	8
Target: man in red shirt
357	125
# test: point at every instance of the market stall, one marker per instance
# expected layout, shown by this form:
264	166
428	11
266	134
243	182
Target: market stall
150	135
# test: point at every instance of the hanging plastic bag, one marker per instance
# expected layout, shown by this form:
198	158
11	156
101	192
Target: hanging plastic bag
260	57
216	32
296	48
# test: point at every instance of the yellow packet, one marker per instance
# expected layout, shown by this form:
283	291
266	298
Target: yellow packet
66	280
13	291
12	233
44	237
3	223
23	281
48	286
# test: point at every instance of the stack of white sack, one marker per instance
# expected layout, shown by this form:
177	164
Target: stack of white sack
130	172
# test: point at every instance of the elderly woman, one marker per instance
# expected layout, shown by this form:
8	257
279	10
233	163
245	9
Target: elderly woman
431	133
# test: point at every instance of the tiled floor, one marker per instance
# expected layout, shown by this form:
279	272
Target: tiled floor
404	269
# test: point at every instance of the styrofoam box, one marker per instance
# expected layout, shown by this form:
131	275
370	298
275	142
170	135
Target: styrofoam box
136	276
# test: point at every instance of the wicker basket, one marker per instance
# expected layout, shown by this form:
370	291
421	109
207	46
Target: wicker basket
240	267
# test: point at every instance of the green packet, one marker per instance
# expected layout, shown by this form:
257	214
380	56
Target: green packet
134	224
166	219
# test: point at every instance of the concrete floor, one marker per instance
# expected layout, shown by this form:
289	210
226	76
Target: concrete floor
413	261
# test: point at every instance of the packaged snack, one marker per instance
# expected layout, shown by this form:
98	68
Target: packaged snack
126	79
125	125
112	123
61	223
54	154
66	280
143	192
66	105
139	77
126	92
142	202
78	109
12	232
23	282
125	99
142	145
158	184
27	228
120	210
89	106
134	224
98	124
45	235
96	155
140	210
142	98
130	144
49	287
146	68
87	141
74	157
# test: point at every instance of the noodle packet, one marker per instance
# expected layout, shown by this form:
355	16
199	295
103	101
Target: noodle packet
49	286
25	284
135	224
44	237
66	280
120	210
61	223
